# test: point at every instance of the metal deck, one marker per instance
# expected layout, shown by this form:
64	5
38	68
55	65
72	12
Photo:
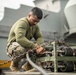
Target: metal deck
37	73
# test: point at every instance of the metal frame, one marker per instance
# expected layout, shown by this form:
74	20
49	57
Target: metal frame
56	58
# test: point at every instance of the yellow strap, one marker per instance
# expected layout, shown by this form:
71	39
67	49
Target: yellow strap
5	64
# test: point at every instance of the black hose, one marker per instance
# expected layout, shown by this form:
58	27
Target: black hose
34	65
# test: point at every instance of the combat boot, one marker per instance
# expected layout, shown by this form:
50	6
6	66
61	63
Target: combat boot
14	66
26	66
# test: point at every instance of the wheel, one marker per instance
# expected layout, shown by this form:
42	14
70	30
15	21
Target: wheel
66	51
68	66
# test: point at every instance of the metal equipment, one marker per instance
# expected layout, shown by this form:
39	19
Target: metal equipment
58	57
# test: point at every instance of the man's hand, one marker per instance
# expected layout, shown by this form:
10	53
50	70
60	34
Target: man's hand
40	50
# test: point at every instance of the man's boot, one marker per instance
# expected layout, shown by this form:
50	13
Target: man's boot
14	66
26	66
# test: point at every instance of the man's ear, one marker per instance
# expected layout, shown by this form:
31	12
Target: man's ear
29	15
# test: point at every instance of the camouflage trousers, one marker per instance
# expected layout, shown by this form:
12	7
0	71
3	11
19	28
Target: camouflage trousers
15	50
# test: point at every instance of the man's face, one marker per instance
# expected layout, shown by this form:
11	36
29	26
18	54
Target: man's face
33	19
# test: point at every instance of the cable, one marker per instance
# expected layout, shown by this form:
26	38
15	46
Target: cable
34	65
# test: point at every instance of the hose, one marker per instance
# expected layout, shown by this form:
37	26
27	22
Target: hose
34	65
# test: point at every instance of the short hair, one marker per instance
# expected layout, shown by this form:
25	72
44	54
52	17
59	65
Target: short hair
38	12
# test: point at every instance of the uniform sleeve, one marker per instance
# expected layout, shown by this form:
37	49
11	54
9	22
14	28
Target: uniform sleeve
20	32
38	36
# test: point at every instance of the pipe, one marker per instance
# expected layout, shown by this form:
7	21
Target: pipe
34	65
